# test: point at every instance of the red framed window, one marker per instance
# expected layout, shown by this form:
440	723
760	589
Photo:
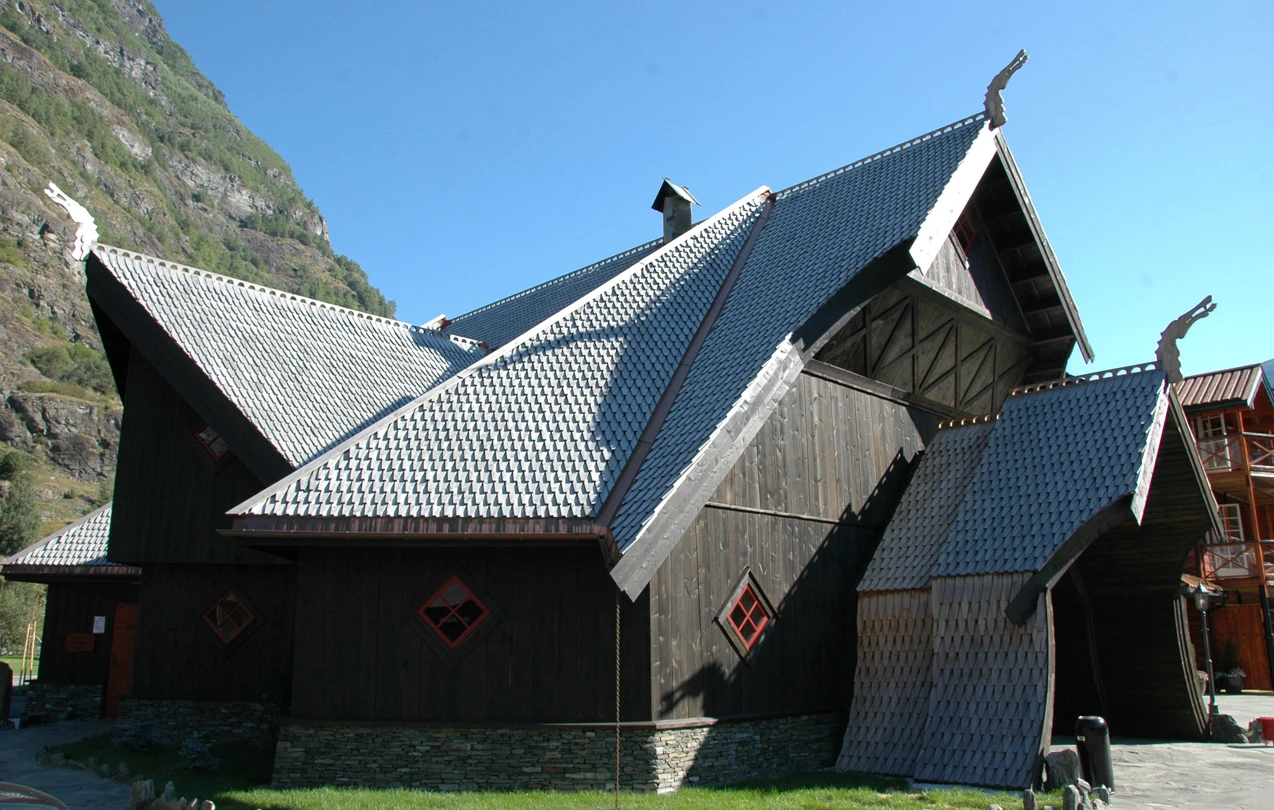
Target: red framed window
748	617
965	232
453	613
212	442
229	617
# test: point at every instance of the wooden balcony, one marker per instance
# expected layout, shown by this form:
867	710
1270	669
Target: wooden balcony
1230	458
1235	564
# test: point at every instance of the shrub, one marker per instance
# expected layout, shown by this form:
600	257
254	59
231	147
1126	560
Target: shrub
76	364
196	754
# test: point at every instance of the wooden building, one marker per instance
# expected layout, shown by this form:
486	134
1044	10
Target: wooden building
638	496
1032	576
1232	420
86	652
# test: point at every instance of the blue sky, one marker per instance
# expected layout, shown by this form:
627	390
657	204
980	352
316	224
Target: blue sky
463	151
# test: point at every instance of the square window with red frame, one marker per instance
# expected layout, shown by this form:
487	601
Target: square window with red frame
453	613
748	617
228	617
212	442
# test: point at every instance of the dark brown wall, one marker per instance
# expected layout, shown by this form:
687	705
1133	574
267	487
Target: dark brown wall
803	507
361	652
170	495
179	657
1132	575
71	608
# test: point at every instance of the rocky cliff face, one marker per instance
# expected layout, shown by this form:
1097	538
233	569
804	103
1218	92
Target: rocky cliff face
96	97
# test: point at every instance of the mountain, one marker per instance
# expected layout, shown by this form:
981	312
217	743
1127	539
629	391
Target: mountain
95	97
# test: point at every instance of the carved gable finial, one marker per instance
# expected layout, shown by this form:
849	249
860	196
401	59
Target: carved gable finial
1168	355
86	233
994	103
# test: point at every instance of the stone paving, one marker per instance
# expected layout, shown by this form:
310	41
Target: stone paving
79	790
1152	775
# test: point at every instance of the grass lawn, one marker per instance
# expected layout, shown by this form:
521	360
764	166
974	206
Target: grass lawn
15	663
244	768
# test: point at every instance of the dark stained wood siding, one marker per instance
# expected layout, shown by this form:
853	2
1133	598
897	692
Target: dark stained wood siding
803	508
975	280
926	344
71	607
362	653
170	495
179	657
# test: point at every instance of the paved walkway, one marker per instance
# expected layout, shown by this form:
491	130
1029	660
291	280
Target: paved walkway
1152	775
79	790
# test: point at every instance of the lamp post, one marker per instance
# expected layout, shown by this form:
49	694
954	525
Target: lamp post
1201	600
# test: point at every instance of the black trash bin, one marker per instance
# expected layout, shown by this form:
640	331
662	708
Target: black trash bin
1092	743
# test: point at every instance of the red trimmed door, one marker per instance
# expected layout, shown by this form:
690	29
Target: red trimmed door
120	680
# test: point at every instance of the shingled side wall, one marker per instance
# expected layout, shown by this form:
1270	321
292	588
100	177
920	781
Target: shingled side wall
552	757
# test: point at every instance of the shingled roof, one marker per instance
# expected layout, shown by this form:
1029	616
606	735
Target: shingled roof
542	427
624	406
304	373
77	550
1231	388
1024	483
499	322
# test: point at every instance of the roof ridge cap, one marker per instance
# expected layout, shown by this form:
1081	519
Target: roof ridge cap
572	274
813	181
271	490
274	291
1095	376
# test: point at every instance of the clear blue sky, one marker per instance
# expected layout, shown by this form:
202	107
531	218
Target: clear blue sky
463	151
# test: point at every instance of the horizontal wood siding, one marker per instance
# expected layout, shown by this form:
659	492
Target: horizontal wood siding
178	655
71	607
363	654
802	508
170	495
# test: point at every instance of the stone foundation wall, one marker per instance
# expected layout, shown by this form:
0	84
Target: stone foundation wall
53	702
552	757
171	722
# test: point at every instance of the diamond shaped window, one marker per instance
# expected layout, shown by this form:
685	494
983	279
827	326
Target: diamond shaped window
453	613
748	617
229	617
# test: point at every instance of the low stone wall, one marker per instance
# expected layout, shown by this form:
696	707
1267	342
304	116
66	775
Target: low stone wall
53	702
171	722
551	757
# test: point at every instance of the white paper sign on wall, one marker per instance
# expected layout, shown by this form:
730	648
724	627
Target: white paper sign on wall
99	624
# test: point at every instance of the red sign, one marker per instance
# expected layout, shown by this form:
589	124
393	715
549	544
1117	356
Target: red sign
80	642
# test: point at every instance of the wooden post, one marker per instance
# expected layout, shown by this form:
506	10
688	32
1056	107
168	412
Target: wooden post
1261	589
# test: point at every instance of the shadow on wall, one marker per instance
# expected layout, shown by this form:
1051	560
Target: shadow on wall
782	710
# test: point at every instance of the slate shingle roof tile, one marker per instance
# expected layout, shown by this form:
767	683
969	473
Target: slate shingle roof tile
83	543
501	321
819	235
542	427
305	373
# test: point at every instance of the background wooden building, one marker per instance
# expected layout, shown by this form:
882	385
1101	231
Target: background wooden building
1232	420
90	621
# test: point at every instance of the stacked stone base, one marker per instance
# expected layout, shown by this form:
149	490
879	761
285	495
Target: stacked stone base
53	702
653	757
171	722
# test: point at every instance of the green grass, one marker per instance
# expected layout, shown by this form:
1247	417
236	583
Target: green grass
232	788
15	663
